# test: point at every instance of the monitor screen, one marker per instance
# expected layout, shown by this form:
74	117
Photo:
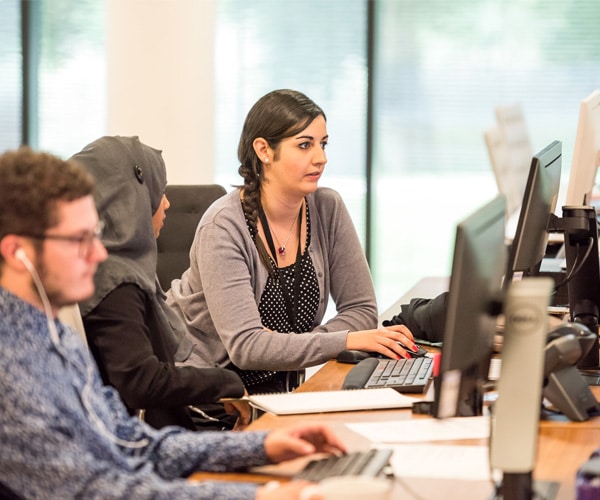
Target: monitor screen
539	203
509	149
586	154
475	292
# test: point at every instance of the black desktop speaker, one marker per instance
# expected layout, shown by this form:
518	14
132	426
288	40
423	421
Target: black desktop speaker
564	387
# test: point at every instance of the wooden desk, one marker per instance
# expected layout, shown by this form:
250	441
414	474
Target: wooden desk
562	447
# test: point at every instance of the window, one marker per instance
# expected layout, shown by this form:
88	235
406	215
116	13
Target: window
440	70
11	83
318	48
65	86
71	83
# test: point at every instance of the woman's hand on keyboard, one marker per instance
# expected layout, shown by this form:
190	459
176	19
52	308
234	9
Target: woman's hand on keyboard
383	340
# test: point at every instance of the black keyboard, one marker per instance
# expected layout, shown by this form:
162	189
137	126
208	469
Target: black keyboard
370	463
405	375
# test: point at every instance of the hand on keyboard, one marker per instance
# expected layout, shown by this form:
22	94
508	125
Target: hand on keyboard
354	356
405	375
389	341
370	463
301	440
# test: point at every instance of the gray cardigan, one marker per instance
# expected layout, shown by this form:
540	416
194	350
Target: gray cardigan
218	295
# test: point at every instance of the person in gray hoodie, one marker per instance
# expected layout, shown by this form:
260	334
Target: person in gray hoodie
133	334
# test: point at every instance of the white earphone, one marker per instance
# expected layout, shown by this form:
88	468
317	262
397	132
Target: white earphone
22	256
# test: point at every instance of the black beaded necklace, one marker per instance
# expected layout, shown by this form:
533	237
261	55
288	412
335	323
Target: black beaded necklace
291	303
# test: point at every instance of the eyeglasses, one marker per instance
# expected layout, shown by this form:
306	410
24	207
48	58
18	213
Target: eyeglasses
85	241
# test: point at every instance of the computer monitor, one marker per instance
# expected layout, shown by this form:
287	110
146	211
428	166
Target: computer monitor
474	297
586	154
578	223
509	150
537	210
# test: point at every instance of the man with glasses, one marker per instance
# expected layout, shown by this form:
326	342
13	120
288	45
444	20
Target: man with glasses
62	433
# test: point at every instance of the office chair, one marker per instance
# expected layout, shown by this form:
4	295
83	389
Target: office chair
188	203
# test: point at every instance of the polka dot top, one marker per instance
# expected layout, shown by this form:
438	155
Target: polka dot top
273	312
272	305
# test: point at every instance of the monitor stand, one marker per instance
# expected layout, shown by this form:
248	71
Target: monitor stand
591	377
516	412
521	486
463	393
589	366
583	268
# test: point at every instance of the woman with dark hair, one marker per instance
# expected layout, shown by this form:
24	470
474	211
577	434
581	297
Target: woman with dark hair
131	331
267	257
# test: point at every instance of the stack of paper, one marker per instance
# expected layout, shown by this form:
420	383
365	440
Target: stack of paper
329	401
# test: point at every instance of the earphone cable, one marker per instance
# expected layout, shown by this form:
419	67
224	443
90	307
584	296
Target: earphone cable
85	393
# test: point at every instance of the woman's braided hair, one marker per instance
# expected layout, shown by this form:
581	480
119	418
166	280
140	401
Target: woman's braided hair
275	116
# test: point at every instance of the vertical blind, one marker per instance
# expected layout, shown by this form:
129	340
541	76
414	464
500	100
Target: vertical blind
316	47
11	83
439	70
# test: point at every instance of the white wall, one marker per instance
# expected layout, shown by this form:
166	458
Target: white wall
160	85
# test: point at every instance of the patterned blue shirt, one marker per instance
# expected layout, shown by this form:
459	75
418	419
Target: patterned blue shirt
65	435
